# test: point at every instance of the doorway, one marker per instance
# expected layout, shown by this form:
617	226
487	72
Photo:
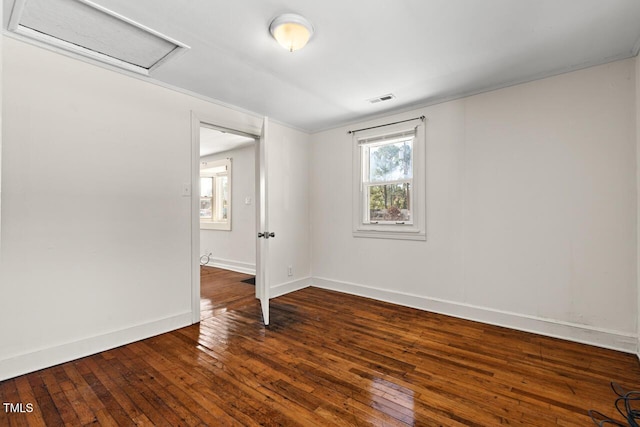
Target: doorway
220	212
227	213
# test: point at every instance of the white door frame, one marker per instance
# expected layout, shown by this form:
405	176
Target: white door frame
197	120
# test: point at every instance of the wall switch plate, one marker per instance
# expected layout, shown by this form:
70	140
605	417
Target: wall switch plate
247	200
186	190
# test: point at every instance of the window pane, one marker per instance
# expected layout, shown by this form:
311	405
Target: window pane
206	187
225	195
222	197
205	208
390	202
391	162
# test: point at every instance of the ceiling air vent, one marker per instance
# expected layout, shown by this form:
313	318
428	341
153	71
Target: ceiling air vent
90	30
386	97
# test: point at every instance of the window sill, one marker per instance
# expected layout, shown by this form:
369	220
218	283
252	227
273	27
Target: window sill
389	234
225	226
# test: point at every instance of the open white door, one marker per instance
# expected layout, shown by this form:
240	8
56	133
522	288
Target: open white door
262	248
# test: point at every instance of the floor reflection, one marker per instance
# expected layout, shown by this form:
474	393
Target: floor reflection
223	290
223	293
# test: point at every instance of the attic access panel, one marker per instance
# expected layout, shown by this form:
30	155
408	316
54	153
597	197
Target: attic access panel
87	29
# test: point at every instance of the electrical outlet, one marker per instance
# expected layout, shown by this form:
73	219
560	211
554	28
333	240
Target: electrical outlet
290	271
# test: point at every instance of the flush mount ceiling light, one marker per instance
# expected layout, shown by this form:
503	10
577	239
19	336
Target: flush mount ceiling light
291	31
87	29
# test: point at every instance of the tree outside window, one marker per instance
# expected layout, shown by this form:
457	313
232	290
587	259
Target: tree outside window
388	176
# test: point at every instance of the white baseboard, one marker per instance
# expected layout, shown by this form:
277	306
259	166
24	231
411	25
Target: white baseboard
615	340
287	287
227	264
44	358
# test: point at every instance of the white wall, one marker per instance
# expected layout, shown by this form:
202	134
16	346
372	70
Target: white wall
531	211
96	235
236	249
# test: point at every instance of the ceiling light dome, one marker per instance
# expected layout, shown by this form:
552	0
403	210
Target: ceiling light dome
291	31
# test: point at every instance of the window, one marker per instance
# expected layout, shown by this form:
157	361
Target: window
387	176
215	195
389	184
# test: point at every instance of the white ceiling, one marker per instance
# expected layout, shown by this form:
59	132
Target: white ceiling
213	141
422	51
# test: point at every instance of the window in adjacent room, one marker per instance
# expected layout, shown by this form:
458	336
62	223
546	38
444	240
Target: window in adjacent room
389	183
215	195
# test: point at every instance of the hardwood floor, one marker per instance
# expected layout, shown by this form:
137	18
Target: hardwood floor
223	290
327	359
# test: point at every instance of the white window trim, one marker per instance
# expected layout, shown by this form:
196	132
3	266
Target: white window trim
414	231
210	224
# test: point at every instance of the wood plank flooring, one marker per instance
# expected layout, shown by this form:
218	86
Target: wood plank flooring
327	359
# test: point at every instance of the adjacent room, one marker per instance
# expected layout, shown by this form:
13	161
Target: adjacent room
228	219
419	212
